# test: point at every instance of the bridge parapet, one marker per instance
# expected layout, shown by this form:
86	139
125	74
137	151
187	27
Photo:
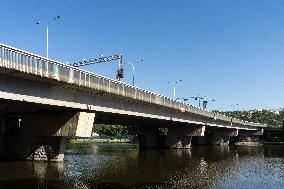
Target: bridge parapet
25	62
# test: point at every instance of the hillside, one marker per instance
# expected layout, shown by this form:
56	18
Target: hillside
269	117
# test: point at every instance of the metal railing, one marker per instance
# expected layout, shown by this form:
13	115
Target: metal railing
29	63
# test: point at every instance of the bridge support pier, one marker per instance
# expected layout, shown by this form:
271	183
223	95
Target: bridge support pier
222	136
181	137
176	137
249	137
216	136
148	137
34	148
41	136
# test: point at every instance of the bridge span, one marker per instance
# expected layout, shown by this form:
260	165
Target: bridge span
44	101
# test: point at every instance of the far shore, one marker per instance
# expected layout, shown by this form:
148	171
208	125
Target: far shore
104	139
131	139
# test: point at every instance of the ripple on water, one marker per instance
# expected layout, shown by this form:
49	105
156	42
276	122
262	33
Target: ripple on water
125	166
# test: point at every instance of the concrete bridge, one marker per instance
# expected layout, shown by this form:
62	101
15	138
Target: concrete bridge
44	101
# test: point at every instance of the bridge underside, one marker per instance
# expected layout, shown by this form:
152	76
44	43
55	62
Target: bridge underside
12	108
38	132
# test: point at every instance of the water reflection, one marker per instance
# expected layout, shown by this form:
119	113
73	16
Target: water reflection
30	174
125	166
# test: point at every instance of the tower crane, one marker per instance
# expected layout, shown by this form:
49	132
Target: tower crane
103	59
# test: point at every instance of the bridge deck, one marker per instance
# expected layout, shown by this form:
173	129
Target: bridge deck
28	63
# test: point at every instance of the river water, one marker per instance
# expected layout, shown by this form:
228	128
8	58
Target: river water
125	166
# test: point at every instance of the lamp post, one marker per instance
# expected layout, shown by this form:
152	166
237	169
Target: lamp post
47	25
204	102
197	98
234	107
184	99
133	71
174	86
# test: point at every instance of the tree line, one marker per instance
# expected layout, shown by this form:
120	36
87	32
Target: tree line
257	116
264	116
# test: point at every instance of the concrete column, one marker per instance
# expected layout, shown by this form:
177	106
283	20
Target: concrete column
181	137
222	136
249	137
176	137
215	135
45	148
148	137
42	136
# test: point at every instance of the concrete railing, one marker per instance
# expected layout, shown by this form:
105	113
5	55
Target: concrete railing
29	63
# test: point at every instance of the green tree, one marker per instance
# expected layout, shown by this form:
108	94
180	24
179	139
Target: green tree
110	130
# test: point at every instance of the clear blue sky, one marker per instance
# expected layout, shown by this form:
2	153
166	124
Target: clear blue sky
228	50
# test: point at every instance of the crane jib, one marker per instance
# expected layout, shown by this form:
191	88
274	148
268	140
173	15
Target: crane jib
97	60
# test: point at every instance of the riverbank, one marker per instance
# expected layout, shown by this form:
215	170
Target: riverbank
133	139
273	143
102	139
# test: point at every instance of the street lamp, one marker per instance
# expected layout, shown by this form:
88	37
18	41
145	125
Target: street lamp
198	98
133	71
49	23
204	102
234	107
174	86
184	99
